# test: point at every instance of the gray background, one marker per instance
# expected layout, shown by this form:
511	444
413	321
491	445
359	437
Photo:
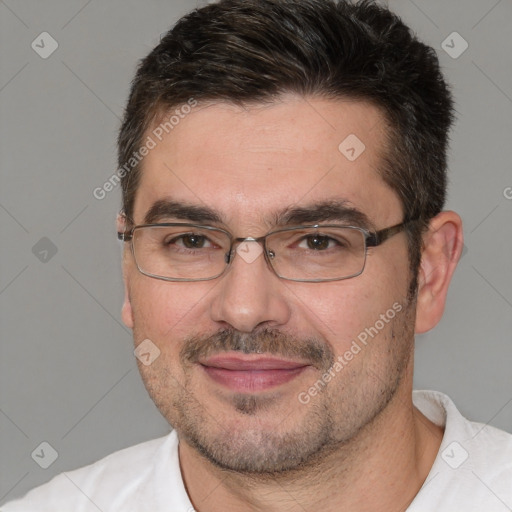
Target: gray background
67	371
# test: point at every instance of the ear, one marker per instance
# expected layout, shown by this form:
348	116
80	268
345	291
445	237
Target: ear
442	248
126	310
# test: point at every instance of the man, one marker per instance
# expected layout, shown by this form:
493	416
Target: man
284	171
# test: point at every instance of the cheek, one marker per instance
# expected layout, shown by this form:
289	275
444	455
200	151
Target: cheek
165	310
341	312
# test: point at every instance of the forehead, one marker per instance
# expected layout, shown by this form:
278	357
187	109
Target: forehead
247	162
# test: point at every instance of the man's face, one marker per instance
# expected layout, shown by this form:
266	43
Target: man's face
240	354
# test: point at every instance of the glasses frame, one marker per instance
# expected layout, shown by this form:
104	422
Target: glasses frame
371	239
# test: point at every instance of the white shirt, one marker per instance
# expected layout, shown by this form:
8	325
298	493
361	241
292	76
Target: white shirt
472	473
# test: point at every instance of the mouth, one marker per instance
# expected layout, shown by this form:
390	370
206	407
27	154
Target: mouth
249	373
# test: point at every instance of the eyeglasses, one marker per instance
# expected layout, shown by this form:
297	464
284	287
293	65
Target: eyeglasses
190	252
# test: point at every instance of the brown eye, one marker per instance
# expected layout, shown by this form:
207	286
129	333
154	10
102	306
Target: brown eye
318	242
193	241
189	241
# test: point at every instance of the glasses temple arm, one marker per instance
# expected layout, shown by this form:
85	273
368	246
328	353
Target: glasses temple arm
124	237
377	238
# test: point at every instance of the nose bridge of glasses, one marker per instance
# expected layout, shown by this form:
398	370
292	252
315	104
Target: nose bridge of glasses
237	246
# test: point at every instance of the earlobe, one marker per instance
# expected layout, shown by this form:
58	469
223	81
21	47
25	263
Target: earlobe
442	248
126	310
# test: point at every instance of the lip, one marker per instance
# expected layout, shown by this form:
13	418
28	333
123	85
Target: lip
251	373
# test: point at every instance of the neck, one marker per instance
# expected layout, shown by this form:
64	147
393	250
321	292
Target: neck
382	468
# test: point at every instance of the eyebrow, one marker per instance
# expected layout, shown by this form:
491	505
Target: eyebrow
165	209
334	210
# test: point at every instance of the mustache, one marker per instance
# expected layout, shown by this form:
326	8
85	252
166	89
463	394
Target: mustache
268	341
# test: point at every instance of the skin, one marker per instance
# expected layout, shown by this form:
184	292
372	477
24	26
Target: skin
359	444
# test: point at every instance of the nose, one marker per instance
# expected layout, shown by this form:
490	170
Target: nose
249	294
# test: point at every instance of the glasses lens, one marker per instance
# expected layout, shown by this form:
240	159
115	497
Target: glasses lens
317	254
180	252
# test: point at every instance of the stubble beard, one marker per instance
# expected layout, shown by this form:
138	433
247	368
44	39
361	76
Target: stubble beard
331	421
